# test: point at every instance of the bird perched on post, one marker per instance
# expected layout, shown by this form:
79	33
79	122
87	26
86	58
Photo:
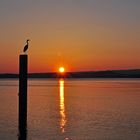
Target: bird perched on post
26	46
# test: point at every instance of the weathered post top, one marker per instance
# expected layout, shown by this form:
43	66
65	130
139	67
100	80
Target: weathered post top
23	67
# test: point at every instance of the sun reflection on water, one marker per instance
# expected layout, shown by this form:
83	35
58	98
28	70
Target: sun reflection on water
62	106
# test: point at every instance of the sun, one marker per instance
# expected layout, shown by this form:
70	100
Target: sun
61	69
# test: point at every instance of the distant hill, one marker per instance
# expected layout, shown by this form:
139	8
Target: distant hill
135	73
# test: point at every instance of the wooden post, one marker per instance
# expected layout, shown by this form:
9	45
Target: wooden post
23	66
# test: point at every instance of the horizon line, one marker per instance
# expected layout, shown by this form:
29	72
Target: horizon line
76	71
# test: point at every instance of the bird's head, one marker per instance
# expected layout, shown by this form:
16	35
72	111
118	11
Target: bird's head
28	40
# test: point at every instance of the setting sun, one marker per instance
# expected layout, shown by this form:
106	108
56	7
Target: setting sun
61	69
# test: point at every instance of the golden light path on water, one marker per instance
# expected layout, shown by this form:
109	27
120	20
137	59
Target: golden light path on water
62	106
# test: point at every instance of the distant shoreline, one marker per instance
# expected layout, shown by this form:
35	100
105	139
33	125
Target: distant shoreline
133	73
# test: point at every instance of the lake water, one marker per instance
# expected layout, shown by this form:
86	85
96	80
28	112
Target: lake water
89	109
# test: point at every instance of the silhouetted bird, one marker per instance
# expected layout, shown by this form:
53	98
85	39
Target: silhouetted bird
26	46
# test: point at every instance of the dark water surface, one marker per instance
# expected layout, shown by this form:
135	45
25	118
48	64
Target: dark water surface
89	109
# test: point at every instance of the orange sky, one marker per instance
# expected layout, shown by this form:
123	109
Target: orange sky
80	35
